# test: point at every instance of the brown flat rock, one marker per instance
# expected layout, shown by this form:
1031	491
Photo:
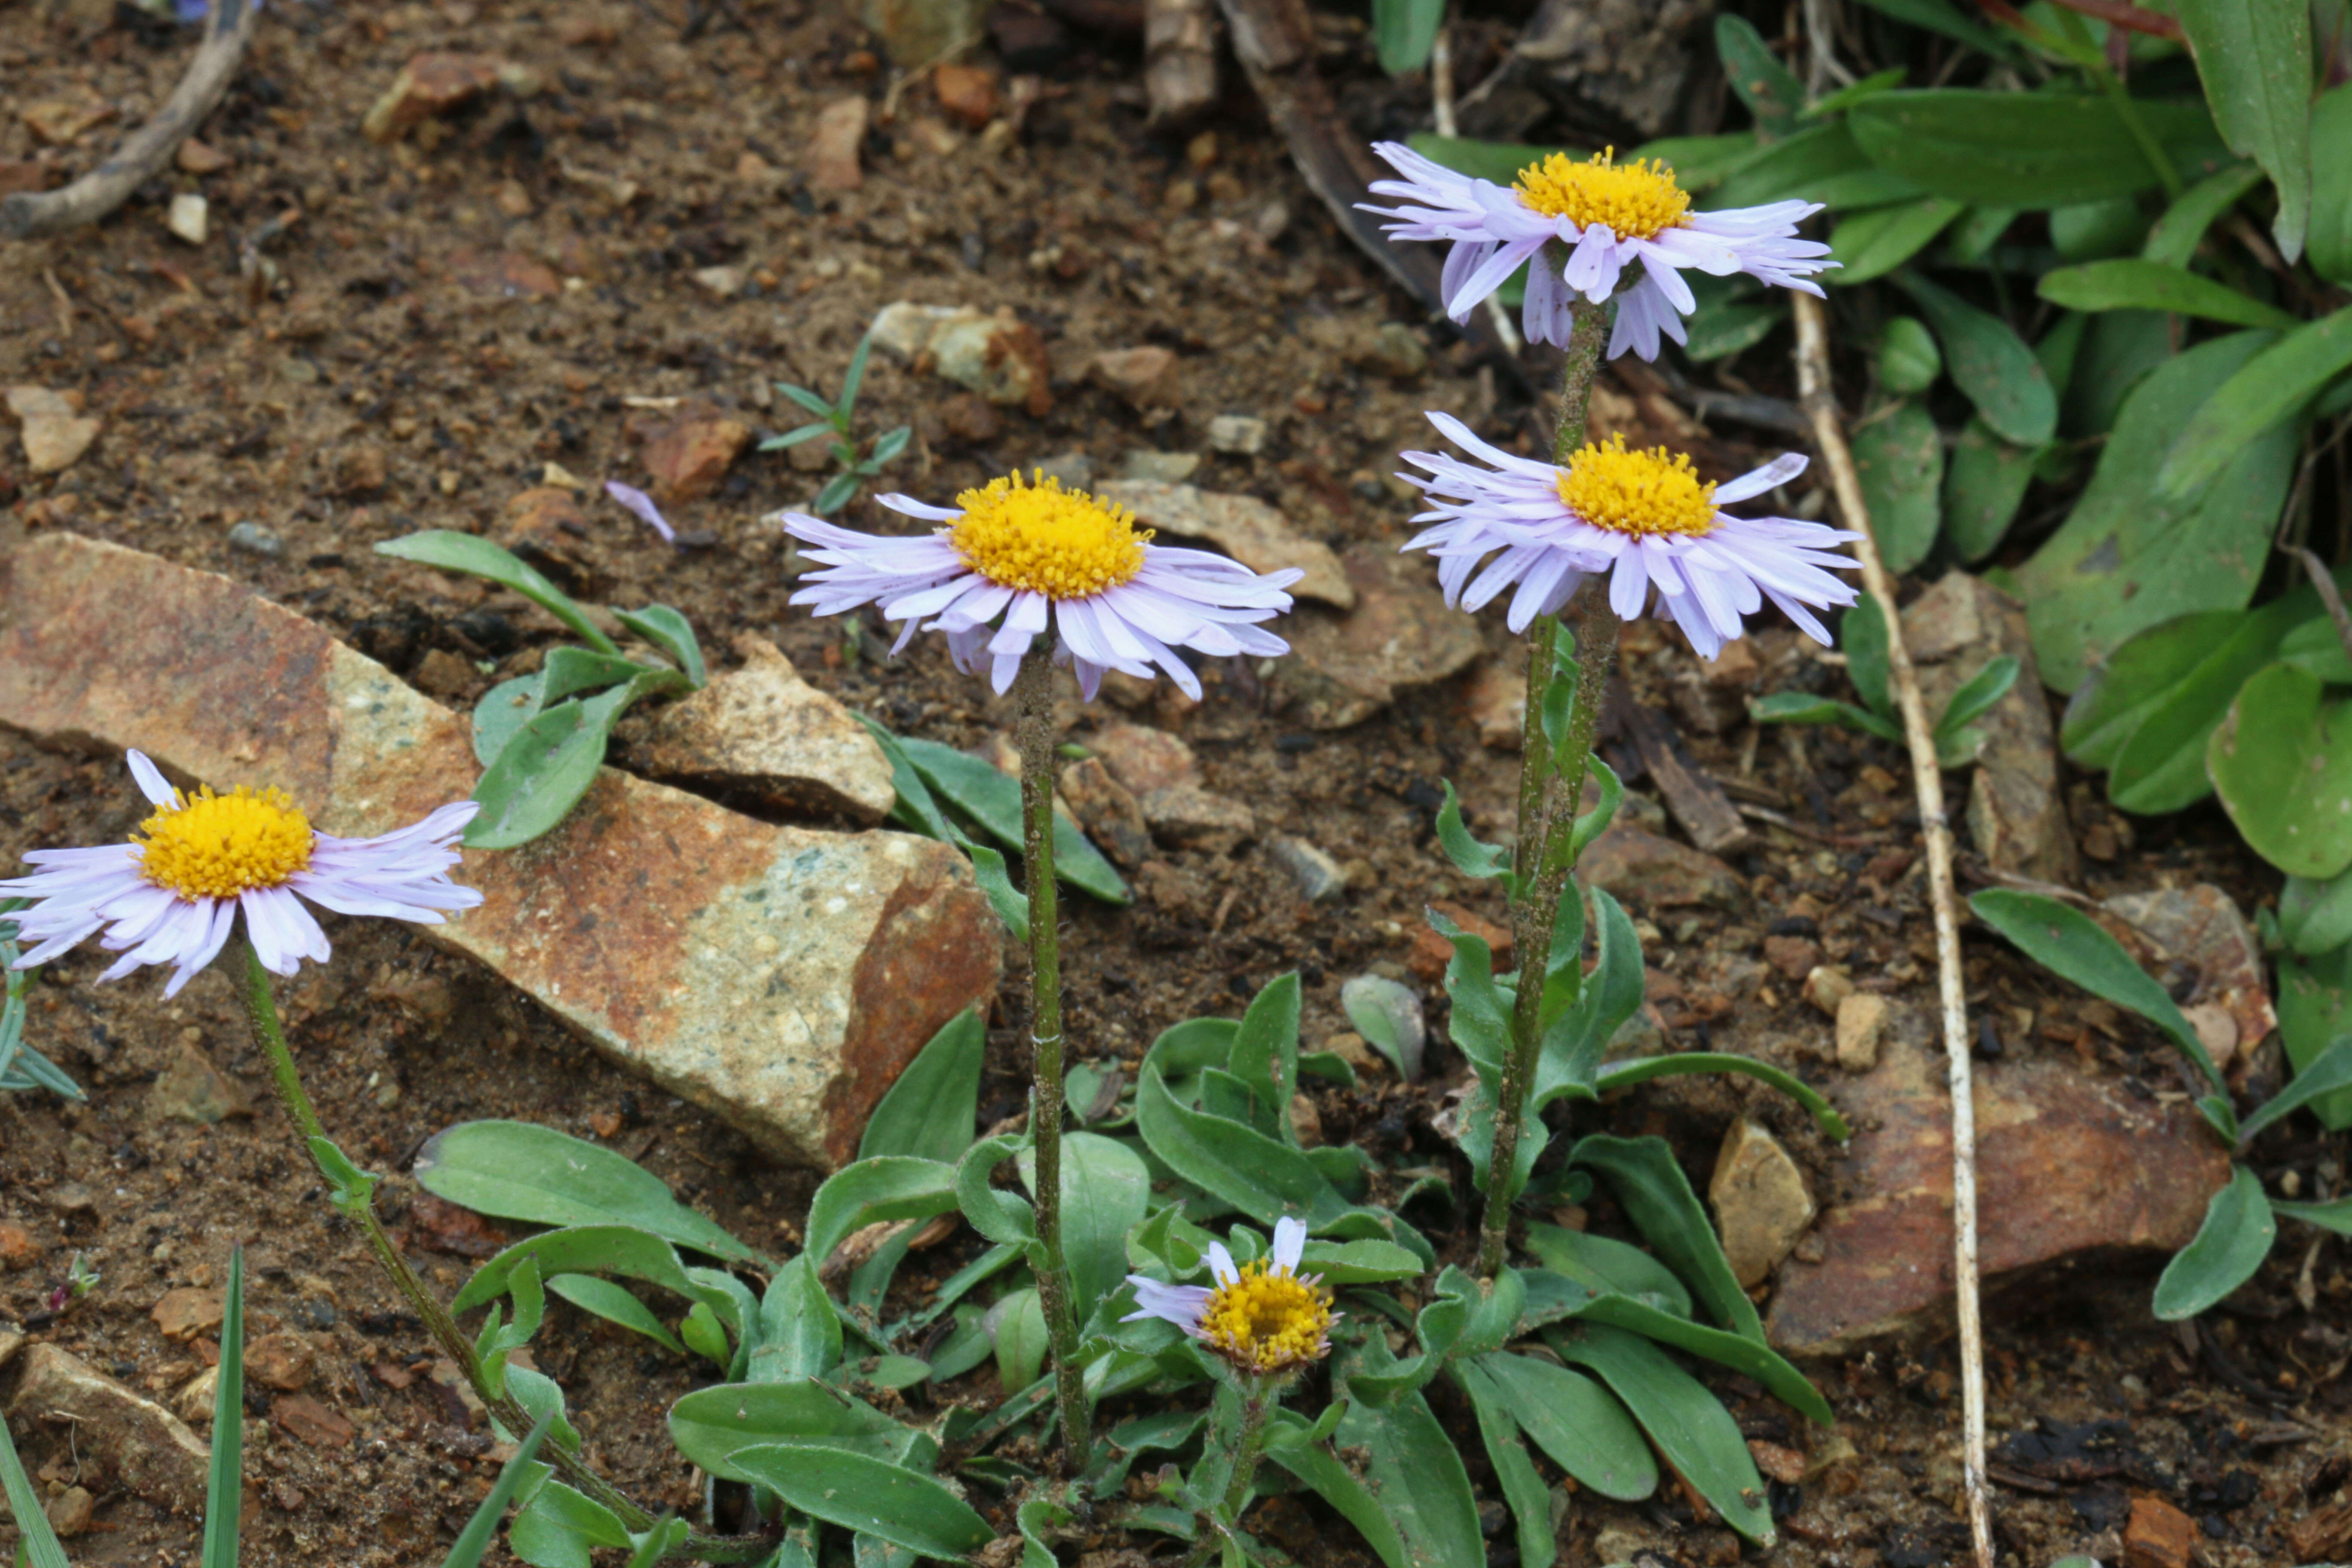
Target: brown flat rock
2070	1169
777	976
1644	868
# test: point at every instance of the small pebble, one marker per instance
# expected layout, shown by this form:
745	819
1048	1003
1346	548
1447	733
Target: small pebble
1237	434
256	540
186	217
1319	878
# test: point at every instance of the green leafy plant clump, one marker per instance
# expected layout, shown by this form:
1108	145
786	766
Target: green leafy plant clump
837	419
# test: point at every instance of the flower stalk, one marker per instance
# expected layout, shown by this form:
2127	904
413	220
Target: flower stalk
1032	692
1549	798
354	1203
1260	1396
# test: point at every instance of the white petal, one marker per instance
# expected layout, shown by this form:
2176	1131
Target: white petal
1289	1244
152	781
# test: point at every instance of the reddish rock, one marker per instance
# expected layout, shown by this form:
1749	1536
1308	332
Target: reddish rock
1794	956
29	177
1496	702
1107	811
185	1313
777	976
443	1227
17	1248
833	145
547	527
1191	817
508	275
2159	1535
2202	928
200	157
308	1422
687	448
2323	1535
1144	378
1431	953
62	120
2071	1172
967	93
361	470
280	1361
1144	758
1643	869
428	85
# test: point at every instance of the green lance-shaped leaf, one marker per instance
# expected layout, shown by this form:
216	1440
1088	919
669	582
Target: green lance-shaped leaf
2159	765
2132	285
1899	459
223	1481
1335	1483
1415	1470
2254	56
1990	364
1471	856
2229	1247
631	1251
2073	946
616	1304
1769	90
1984	484
475	1539
2177	234
859	1492
543	770
711	1426
2281	762
1607	1267
2034	150
2272	388
891	1187
2335	1217
1804	708
562	1528
2331	184
1686	1422
2328	1071
2126	558
1908	359
1643	1068
1105	1192
800	1333
1580	1425
2314	1010
2137	679
930	1113
504	709
1977	696
2315	915
1404	32
1003	1217
1657	1197
993	800
475	556
516	1170
1871	244
1523	1486
1266	1047
671	631
1263	1177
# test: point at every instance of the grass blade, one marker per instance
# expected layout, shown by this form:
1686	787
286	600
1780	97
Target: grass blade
225	1489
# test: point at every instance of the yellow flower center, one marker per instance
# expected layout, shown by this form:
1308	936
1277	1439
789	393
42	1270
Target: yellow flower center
1042	538
1637	492
1633	200
1265	1321
217	846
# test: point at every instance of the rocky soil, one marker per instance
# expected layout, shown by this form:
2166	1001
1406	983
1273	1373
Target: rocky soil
578	245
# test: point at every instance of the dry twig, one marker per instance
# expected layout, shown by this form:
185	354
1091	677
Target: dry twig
1821	404
148	149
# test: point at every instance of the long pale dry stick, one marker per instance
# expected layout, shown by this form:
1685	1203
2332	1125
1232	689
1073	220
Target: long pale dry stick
1821	404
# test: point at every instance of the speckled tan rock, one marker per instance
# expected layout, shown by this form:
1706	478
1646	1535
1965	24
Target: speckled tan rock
777	976
763	730
149	1450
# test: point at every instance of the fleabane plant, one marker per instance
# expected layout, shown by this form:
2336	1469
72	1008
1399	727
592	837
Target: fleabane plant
1586	227
1265	1323
1021	576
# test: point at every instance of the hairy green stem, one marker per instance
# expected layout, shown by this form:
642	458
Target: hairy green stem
1033	694
261	1012
1249	1445
1549	798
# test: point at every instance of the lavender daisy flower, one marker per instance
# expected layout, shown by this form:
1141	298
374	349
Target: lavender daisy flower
1261	1318
1605	216
172	896
1644	518
1019	559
